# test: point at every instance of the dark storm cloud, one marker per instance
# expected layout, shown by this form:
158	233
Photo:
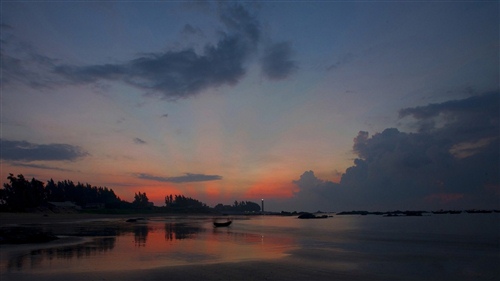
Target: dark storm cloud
464	120
277	61
452	164
26	151
139	141
188	177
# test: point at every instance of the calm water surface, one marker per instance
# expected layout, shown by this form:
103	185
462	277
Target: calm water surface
465	246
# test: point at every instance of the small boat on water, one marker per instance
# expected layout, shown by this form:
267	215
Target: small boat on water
222	224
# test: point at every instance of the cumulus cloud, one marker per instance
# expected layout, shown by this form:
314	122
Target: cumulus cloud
324	195
188	177
26	151
452	164
277	61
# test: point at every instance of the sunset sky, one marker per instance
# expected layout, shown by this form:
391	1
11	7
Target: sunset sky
309	105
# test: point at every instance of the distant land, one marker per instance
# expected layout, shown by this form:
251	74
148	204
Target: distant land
21	195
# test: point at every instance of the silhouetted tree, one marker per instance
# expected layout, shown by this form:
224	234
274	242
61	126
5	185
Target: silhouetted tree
21	194
181	202
141	200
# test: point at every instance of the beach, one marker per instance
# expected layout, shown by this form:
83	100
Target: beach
257	248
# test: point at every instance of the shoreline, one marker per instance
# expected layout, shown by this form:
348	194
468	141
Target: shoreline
352	255
17	219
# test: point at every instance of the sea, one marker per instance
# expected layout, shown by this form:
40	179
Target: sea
429	247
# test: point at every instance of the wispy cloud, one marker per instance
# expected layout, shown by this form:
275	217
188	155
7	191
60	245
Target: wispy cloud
188	177
277	62
139	141
39	166
343	60
26	151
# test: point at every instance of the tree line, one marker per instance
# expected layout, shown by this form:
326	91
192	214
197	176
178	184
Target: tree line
183	203
21	194
243	206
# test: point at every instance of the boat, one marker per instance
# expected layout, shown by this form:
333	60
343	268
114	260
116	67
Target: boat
222	224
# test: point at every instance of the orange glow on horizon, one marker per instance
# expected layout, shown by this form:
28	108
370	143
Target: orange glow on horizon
270	189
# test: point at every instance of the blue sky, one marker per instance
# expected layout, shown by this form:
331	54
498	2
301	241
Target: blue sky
227	101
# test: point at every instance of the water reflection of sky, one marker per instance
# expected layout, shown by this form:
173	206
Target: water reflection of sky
155	243
428	246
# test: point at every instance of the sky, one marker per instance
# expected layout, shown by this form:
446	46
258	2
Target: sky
309	105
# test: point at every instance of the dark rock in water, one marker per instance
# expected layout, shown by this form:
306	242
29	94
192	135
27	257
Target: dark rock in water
25	235
311	216
306	216
135	220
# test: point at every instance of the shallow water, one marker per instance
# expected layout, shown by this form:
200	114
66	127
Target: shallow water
440	247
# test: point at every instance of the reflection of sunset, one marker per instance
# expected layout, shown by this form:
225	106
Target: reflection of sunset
158	243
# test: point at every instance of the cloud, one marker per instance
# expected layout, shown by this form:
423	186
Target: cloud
5	26
323	194
452	164
184	73
139	141
343	60
37	166
22	63
26	151
188	177
191	30
171	74
277	61
468	119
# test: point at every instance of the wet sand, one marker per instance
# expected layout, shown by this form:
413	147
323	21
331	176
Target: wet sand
289	268
292	267
373	259
8	219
